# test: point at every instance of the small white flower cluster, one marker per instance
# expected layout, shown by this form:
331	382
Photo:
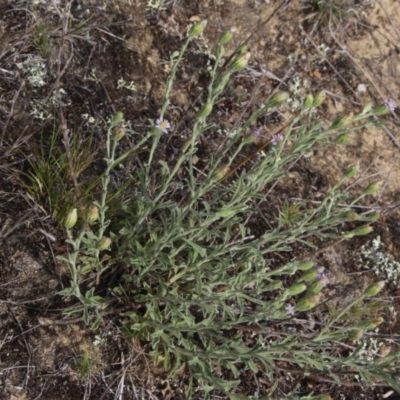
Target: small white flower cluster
372	256
35	69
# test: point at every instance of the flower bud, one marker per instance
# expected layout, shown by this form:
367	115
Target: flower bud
351	172
274	285
118	117
221	172
308	102
381	110
312	275
240	62
250	138
119	133
372	188
372	217
92	215
363	230
305	265
197	29
317	286
71	219
104	243
296	289
206	110
221	82
319	99
349	216
370	323
226	213
343	138
277	99
241	50
374	289
360	231
356	334
367	108
341	122
307	303
225	37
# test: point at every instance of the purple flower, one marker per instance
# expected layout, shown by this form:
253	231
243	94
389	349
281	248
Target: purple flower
163	125
323	278
257	133
277	139
290	310
389	103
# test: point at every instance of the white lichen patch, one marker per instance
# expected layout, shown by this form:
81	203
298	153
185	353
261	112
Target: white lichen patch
297	91
59	97
373	256
369	350
39	113
121	84
321	54
156	5
35	69
89	120
227	133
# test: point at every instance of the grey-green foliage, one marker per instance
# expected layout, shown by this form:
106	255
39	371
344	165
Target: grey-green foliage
197	279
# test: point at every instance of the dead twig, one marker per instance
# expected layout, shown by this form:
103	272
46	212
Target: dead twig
10	114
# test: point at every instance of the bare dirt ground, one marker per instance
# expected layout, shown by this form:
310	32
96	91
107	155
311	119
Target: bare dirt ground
115	57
